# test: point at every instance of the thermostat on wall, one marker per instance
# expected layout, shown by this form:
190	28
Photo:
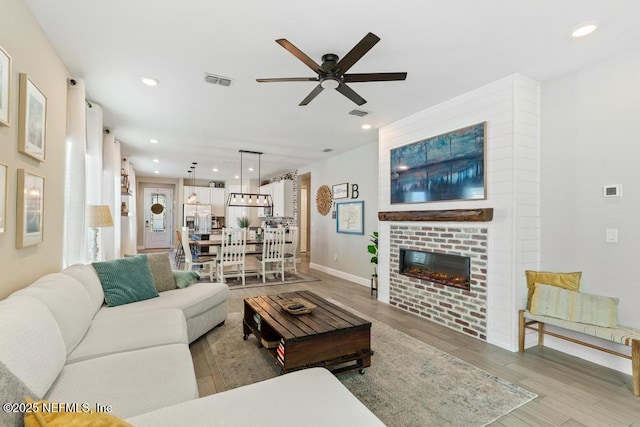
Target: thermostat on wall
612	190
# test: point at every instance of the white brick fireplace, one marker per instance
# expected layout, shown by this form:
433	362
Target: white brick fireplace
460	309
487	311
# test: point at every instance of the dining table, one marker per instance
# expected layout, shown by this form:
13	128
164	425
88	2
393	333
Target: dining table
215	242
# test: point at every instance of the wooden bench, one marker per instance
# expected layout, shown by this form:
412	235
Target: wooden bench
620	335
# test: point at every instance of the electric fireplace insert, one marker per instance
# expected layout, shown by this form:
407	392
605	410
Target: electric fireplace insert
446	269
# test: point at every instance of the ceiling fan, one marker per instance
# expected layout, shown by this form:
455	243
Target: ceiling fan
331	74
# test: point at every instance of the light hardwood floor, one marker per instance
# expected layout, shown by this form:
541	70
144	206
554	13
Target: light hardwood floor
572	392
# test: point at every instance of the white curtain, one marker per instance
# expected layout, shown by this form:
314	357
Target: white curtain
129	224
95	133
74	245
111	195
94	154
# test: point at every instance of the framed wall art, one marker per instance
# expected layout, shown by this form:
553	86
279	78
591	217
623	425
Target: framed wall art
3	197
340	191
30	209
350	217
5	87
451	166
32	119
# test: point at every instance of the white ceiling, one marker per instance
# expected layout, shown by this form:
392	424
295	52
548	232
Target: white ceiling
447	47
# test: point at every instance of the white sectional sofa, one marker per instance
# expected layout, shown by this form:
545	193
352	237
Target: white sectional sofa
59	342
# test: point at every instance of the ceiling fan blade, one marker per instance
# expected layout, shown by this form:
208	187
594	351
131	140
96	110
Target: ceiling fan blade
288	79
312	95
357	52
300	55
374	77
351	94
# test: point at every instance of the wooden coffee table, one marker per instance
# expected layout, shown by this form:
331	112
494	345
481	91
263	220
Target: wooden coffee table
329	336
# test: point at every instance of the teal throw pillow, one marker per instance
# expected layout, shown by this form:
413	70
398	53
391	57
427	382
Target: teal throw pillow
126	280
160	266
185	278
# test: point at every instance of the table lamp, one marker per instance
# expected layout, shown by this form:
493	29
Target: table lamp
98	216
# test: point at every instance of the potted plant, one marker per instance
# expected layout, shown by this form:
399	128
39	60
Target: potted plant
373	250
243	221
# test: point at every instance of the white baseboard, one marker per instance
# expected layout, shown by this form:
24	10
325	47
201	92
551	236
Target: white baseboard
341	274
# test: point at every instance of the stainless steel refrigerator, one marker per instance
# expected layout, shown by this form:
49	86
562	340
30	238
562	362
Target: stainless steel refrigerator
197	217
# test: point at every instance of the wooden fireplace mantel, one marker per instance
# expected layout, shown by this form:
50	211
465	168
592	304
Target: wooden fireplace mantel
452	215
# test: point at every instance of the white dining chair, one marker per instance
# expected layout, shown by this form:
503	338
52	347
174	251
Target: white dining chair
179	256
232	254
272	258
291	249
205	265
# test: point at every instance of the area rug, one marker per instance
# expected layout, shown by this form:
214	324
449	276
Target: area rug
408	384
252	281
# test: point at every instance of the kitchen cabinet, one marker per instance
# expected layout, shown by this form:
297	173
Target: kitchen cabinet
218	200
266	189
282	195
203	194
208	196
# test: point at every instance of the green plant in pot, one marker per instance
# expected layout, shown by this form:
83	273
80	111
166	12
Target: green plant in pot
243	221
373	250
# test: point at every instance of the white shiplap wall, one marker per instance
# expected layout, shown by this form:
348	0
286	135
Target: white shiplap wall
510	107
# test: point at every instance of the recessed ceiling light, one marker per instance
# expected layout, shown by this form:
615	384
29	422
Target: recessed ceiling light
584	30
250	169
366	126
156	161
237	177
215	169
153	141
156	172
149	81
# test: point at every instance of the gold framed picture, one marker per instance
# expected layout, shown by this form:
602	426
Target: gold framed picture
5	87
32	130
30	209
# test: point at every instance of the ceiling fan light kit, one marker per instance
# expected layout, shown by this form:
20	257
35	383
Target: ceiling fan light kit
331	74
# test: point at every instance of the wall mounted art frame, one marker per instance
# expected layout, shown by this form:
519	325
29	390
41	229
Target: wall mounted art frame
340	191
350	217
32	119
5	88
3	197
30	209
450	166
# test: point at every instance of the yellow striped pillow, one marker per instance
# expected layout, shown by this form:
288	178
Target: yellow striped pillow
569	281
564	304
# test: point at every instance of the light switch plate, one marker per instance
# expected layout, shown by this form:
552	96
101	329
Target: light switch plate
612	235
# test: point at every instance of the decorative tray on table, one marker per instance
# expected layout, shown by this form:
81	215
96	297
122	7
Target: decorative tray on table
296	305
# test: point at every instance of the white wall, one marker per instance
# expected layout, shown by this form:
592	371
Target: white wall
345	255
31	53
590	138
510	107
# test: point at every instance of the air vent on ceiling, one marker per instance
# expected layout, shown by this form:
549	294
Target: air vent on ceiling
217	80
359	113
327	150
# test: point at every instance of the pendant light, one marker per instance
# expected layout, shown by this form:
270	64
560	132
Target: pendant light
193	197
243	199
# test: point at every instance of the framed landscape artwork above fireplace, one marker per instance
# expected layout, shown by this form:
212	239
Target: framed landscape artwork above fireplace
451	166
